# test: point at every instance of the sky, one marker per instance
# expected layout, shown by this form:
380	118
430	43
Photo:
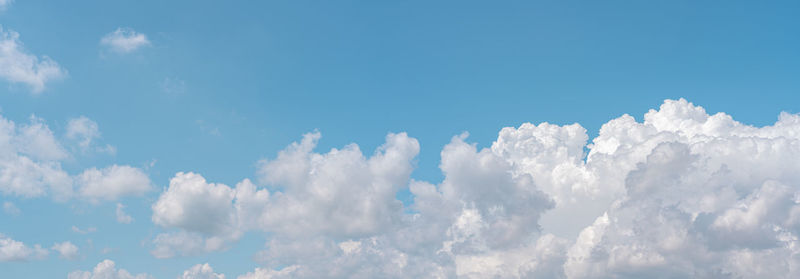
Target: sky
399	139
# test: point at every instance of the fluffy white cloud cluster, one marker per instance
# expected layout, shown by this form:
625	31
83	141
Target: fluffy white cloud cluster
19	66
12	250
201	271
124	40
681	194
30	166
66	250
106	270
316	197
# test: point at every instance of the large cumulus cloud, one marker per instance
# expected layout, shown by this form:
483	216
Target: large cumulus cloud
682	193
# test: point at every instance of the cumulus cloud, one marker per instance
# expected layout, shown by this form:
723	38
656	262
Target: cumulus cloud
124	40
681	194
112	182
106	270
12	250
66	250
19	66
340	193
31	158
201	271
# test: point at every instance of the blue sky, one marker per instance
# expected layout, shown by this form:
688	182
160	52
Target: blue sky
219	86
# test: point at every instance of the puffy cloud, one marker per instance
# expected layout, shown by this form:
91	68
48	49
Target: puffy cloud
112	182
29	161
124	40
265	273
340	193
183	243
30	166
123	217
201	271
193	204
66	250
84	132
82	129
680	194
705	197
19	66
12	250
106	270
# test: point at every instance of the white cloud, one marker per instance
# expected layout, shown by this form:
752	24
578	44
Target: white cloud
201	271
66	250
19	66
11	209
193	204
31	158
682	194
75	229
12	250
106	270
123	217
183	243
85	132
29	161
4	4
112	182
124	40
340	193
266	273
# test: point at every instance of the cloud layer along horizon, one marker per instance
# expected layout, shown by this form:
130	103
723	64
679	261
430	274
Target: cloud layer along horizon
679	194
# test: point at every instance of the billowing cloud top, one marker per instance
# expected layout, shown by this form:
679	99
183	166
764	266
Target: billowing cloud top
681	194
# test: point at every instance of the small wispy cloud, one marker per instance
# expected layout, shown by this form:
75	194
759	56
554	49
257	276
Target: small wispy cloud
124	40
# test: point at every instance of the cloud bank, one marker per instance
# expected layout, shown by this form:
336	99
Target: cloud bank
680	194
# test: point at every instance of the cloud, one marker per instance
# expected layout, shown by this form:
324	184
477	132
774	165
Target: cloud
66	250
19	66
340	193
681	194
75	229
106	270
122	217
12	250
4	4
124	40
11	209
29	161
318	189
85	132
112	182
201	271
193	204
31	158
